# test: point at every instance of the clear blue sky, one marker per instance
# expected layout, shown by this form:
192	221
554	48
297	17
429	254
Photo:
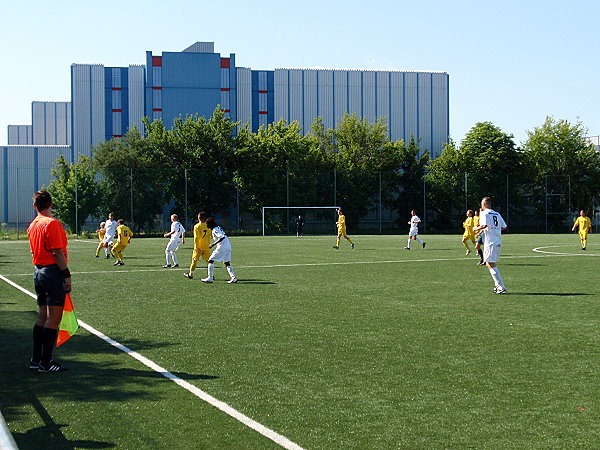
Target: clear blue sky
511	62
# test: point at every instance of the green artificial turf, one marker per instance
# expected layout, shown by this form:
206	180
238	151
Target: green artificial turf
376	347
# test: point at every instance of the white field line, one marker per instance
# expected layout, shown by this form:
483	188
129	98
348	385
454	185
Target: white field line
266	432
538	250
344	263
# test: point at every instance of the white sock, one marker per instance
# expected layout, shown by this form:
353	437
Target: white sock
419	241
167	257
211	271
408	245
174	258
230	271
497	278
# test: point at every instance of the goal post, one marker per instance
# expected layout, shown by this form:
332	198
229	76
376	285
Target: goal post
301	208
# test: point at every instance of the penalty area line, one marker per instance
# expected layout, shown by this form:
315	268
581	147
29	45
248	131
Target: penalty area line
222	406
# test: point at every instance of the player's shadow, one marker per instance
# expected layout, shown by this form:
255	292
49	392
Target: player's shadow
254	281
555	294
528	265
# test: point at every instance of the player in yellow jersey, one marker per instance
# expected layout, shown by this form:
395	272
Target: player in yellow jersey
201	244
585	226
124	235
101	232
341	229
469	234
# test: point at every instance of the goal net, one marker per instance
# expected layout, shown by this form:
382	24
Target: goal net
282	219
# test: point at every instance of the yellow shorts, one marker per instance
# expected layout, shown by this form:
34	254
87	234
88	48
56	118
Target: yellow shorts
583	235
470	237
203	253
119	248
342	231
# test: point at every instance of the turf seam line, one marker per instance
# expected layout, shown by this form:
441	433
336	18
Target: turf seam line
222	406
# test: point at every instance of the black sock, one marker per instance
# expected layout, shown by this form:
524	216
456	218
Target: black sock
480	253
38	340
50	336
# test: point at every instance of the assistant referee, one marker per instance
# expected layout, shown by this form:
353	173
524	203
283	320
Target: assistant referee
52	280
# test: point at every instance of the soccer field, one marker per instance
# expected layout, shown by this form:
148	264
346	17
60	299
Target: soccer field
375	347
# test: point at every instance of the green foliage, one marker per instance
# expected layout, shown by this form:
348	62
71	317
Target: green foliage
476	168
74	192
559	148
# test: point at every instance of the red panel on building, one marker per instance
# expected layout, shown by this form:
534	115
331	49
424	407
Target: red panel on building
262	92
225	89
116	110
262	112
116	89
225	63
157	61
225	110
157	109
117	135
157	88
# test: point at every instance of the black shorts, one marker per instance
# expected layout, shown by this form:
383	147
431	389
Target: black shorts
480	239
49	285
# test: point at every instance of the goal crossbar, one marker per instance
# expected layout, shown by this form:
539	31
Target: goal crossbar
291	207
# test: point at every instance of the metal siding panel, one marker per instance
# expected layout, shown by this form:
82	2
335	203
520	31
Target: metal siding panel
355	93
135	96
396	119
4	184
310	103
244	95
281	94
98	108
383	96
440	113
69	131
81	107
340	94
38	121
424	110
61	123
295	96
13	135
21	176
369	101
325	94
411	106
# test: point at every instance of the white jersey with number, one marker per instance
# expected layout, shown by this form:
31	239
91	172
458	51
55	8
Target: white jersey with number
414	225
222	250
111	228
177	231
492	233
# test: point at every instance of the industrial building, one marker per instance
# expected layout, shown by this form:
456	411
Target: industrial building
107	101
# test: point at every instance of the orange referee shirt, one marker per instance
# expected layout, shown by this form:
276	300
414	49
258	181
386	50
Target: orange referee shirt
46	234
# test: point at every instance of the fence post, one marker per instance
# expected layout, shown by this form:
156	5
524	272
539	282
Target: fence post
380	202
506	197
237	201
17	209
131	193
185	208
334	187
287	196
466	192
76	205
546	200
424	207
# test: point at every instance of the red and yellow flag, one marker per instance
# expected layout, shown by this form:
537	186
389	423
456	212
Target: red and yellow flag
68	323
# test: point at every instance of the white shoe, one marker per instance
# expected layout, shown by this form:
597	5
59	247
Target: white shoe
233	280
468	252
501	290
206	280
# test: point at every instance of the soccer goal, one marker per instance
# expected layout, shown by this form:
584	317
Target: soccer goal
317	218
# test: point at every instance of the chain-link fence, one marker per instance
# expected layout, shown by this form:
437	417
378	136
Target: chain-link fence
373	202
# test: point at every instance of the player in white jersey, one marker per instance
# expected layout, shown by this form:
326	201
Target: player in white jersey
222	252
491	224
177	237
414	230
111	228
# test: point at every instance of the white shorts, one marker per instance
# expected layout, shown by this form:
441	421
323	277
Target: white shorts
220	255
414	231
107	239
491	253
173	245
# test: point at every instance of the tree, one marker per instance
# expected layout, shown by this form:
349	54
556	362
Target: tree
74	192
559	149
131	184
462	175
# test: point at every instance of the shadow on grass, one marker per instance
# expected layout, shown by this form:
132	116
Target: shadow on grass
253	281
556	294
527	265
26	396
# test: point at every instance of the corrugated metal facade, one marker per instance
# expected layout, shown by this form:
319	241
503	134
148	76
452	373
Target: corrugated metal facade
244	95
19	134
413	103
24	170
88	106
51	123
